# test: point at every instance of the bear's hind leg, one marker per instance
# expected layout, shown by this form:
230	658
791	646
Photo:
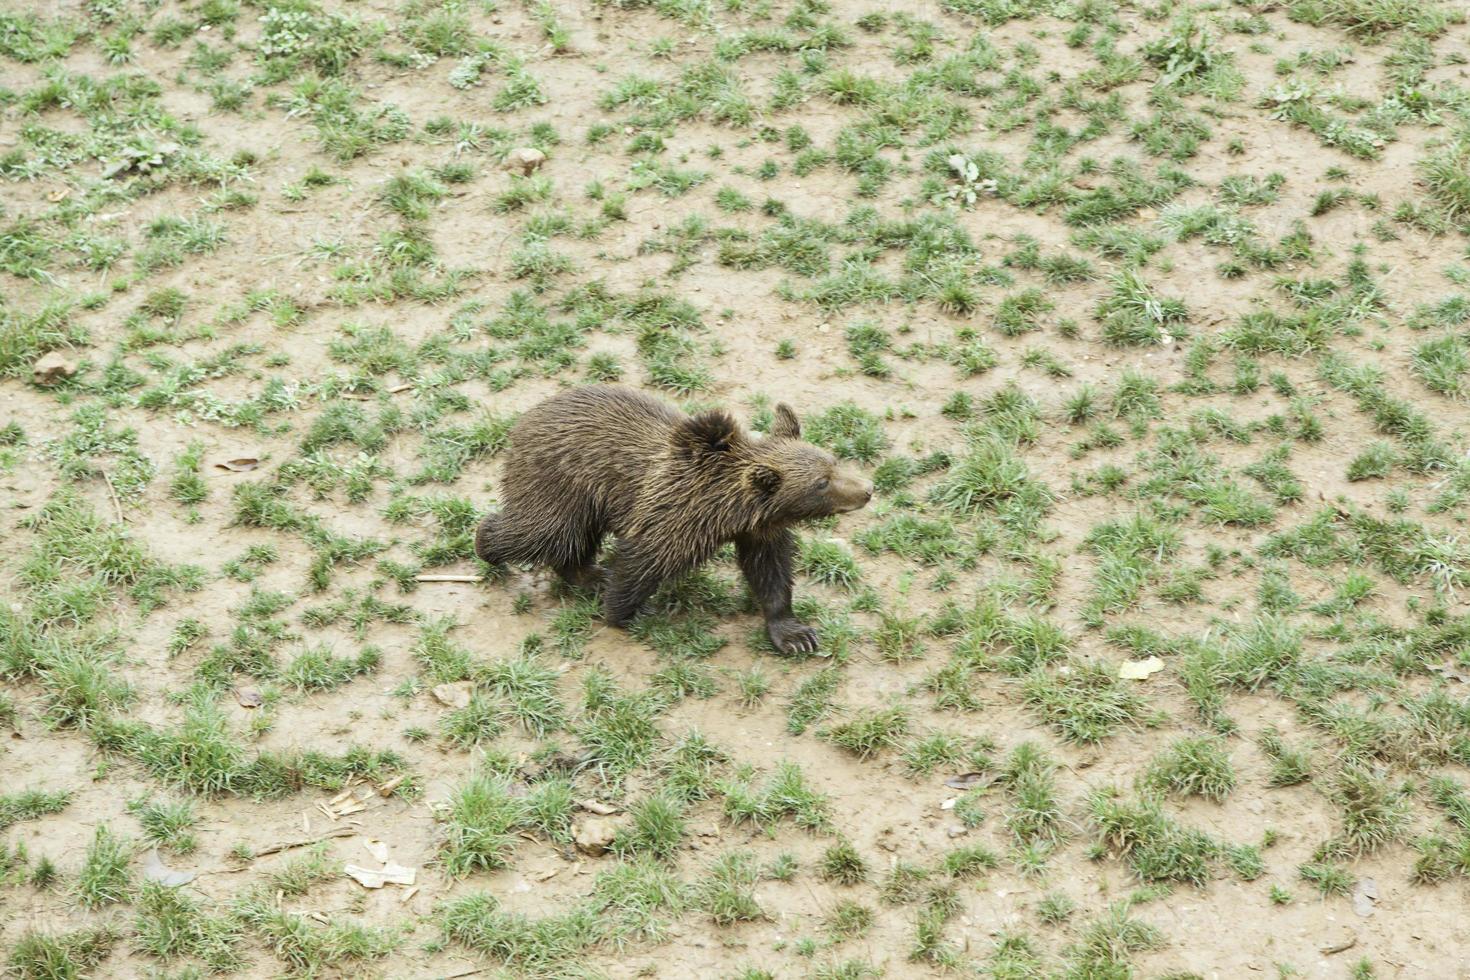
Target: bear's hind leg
564	535
632	580
578	566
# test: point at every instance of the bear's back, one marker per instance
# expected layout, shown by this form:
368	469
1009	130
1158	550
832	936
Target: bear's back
601	435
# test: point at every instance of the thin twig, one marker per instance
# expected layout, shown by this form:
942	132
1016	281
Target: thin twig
449	578
116	504
288	846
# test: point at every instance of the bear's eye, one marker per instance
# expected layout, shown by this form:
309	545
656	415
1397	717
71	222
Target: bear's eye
823	484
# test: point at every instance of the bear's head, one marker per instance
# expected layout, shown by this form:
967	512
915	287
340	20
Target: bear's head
789	479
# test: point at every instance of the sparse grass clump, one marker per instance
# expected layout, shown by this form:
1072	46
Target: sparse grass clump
727	889
1086	704
105	877
1156	846
842	864
870	731
1375	812
31	805
785	793
519	942
1193	767
480	824
62	956
849	431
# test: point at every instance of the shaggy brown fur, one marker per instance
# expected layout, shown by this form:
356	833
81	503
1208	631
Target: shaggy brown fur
672	488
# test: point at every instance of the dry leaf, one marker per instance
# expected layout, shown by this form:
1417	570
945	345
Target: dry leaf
155	870
389	874
601	809
377	849
242	464
1140	670
453	695
59	195
249	697
969	780
387	788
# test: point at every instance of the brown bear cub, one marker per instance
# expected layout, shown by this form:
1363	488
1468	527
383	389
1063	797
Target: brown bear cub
673	488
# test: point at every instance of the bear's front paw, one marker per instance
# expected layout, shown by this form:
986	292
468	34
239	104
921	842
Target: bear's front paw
790	636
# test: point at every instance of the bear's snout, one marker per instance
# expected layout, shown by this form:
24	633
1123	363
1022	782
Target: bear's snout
850	493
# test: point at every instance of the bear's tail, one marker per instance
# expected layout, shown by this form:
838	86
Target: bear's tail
485	549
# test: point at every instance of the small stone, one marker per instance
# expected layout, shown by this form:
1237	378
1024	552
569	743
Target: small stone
958	831
595	835
524	160
1365	897
453	695
51	368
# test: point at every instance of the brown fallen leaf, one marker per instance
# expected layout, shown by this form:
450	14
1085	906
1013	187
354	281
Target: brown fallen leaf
387	788
453	695
59	195
377	849
601	809
241	464
155	870
249	697
969	780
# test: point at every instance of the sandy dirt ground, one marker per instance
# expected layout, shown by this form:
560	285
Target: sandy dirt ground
359	299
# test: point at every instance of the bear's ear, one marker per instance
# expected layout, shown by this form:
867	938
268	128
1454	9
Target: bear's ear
765	480
708	432
786	424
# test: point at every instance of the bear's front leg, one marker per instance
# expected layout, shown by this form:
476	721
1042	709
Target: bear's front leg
765	560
